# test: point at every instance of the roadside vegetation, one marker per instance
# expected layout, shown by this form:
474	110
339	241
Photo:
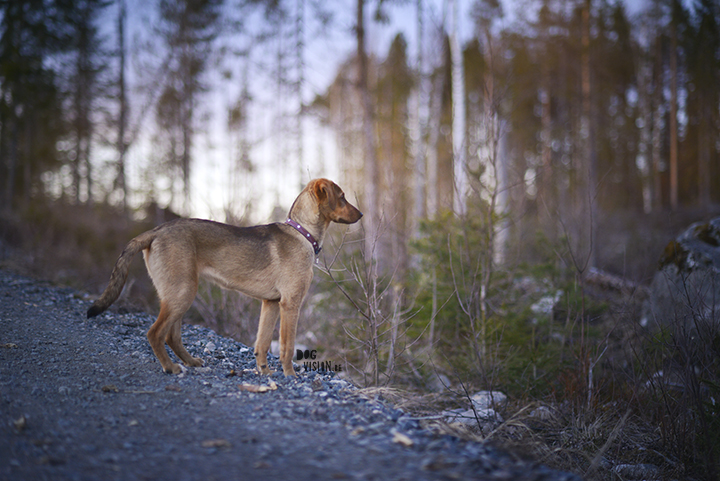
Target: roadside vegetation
590	387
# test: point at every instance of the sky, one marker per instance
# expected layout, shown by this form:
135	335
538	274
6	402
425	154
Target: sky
276	182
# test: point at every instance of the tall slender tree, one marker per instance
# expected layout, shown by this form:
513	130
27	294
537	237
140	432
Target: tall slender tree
188	29
460	176
674	201
587	178
120	179
419	106
86	89
31	118
395	81
704	72
372	217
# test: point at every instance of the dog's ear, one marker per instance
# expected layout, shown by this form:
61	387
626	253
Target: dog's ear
321	189
324	191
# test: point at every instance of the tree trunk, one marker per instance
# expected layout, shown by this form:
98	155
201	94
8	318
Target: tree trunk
673	119
371	169
27	155
436	101
12	161
705	136
645	147
588	171
88	163
461	185
122	121
298	84
657	126
417	128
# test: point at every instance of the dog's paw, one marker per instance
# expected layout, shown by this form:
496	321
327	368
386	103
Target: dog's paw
173	369
265	370
195	362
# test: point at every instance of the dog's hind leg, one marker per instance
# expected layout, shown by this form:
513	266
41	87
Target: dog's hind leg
174	340
268	319
170	317
157	334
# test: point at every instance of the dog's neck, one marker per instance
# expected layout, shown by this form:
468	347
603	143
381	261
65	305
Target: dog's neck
306	234
305	212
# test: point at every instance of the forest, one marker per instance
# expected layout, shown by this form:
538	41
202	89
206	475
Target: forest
522	165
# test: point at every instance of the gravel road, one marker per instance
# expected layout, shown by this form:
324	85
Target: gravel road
86	400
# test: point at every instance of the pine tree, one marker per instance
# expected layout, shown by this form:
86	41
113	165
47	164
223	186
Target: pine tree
188	29
86	89
31	119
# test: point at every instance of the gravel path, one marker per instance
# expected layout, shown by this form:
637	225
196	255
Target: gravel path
86	400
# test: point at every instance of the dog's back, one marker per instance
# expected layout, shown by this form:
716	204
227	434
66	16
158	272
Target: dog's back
257	261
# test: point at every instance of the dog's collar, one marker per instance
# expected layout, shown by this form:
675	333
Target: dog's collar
305	234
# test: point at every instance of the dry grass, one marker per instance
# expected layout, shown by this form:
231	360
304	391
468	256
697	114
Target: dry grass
74	245
628	421
631	417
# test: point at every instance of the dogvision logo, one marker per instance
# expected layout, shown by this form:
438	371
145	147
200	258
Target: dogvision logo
310	362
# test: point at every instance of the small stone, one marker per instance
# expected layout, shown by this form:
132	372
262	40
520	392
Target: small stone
407	423
20	423
216	443
488	399
637	471
401	439
543	413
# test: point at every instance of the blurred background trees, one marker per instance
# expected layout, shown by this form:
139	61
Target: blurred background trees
553	123
562	131
595	106
504	154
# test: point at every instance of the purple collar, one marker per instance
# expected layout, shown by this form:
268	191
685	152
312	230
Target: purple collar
305	234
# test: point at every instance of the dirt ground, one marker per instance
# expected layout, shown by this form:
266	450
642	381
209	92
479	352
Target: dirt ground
86	399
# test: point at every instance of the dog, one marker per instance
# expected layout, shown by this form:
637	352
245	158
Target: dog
273	263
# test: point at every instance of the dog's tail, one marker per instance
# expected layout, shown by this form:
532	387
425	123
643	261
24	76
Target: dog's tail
120	273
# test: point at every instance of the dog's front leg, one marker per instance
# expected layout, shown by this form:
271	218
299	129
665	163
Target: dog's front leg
289	313
268	318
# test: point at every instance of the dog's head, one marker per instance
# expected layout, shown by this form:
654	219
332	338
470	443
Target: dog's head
332	203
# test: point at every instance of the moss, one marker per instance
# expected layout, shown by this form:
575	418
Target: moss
674	253
707	234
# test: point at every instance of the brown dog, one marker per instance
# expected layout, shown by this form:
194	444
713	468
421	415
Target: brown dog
272	262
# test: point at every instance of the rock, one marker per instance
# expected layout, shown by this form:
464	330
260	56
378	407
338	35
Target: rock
20	423
637	471
487	419
401	439
439	383
468	417
545	305
489	399
543	413
406	423
685	290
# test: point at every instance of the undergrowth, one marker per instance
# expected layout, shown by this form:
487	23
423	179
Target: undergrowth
589	388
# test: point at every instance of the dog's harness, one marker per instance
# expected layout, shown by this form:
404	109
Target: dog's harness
305	234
